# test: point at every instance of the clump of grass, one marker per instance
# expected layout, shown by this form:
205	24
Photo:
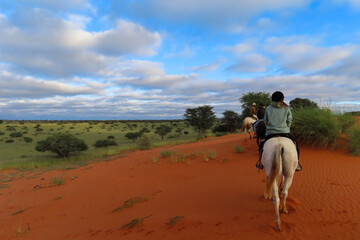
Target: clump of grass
134	223
20	211
155	159
166	153
316	127
130	203
57	181
353	143
212	154
144	142
346	121
239	149
174	220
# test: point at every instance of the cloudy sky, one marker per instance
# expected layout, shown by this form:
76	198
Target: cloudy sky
152	59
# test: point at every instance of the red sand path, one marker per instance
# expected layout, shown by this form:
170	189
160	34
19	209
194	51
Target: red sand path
219	199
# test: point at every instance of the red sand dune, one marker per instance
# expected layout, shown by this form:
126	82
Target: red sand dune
218	199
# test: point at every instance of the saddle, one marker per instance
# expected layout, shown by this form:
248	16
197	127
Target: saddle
261	142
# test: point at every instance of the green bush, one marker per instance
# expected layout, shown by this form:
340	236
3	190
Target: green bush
9	141
144	142
61	144
315	126
354	140
16	134
105	143
346	121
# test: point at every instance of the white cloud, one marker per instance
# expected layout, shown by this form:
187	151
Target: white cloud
239	49
210	67
353	3
15	86
302	56
46	44
57	4
127	38
251	63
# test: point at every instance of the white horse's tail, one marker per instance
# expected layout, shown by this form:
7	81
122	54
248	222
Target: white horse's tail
275	169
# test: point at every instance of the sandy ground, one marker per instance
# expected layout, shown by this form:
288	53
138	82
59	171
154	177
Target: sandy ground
192	199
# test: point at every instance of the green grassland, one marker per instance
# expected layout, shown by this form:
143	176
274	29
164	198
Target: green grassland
20	154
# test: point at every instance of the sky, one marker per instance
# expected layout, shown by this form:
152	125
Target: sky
153	59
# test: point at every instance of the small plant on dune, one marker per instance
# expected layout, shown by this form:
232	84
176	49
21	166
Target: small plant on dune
174	220
134	223
212	154
57	181
166	153
316	127
144	142
155	159
239	149
130	203
354	140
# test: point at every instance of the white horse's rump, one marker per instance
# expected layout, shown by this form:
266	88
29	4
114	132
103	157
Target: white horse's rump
280	161
247	126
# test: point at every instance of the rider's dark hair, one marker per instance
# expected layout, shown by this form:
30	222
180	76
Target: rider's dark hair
277	96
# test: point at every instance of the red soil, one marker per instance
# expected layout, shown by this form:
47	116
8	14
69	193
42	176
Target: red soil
218	199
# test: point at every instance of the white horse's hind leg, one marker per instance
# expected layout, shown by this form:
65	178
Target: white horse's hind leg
284	194
277	204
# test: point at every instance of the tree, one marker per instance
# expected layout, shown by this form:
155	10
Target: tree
298	103
253	97
61	144
28	140
133	135
163	130
231	120
201	118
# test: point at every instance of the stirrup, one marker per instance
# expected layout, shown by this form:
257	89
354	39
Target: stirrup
298	168
259	165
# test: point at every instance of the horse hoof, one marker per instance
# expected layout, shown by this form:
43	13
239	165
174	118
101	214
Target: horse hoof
278	228
284	211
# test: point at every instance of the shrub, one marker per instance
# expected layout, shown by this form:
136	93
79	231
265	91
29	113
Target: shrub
9	141
346	121
315	126
133	135
111	137
28	140
354	140
163	130
105	143
16	134
2	133
61	144
144	142
239	149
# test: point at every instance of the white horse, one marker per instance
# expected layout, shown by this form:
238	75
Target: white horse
248	126
280	161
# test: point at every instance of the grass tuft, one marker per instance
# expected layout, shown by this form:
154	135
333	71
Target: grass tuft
315	127
134	223
130	203
353	143
239	149
174	220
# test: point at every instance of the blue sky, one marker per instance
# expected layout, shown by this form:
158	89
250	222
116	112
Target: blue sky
152	59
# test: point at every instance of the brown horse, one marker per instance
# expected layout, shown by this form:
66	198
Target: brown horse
248	126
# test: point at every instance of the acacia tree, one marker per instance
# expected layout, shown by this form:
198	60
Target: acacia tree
201	118
298	103
231	120
253	97
61	144
163	130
